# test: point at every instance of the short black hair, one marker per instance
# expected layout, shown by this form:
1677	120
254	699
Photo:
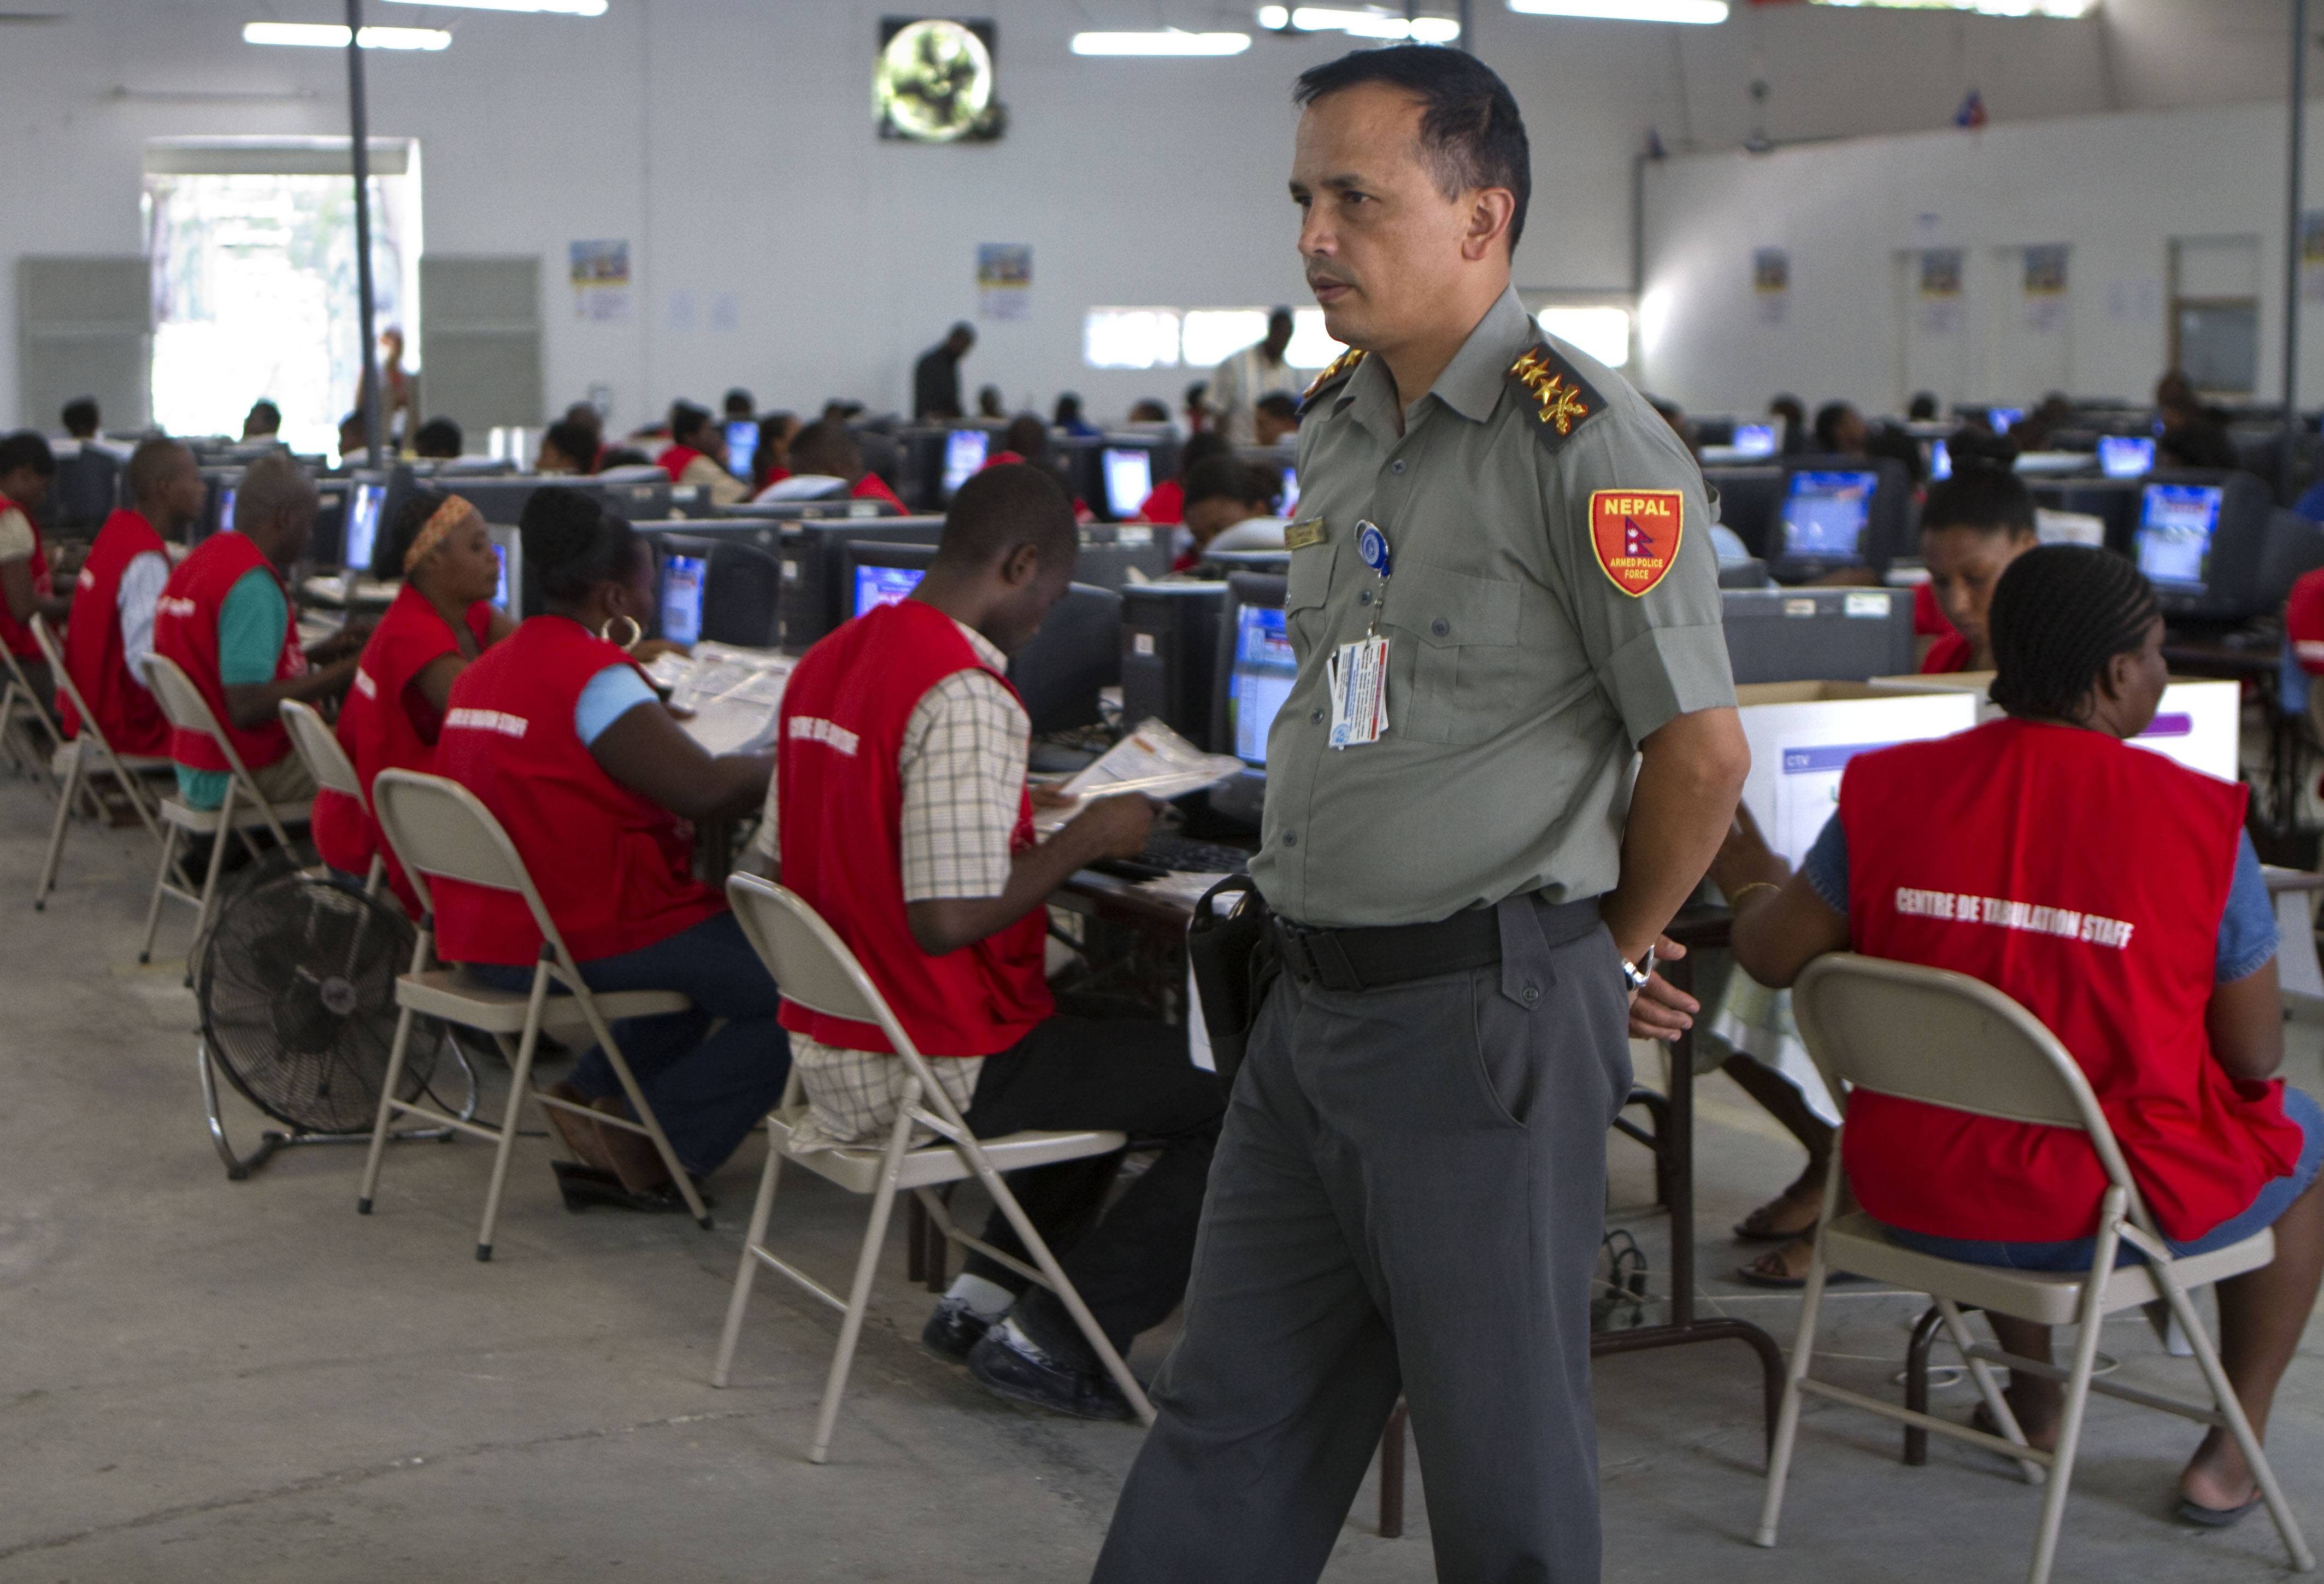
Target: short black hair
741	403
264	417
80	417
1470	134
1069	408
1227	478
1923	406
438	438
1827	423
1207	444
151	466
1990	500
575	542
24	448
687	419
825	447
578	443
2060	614
1027	435
1279	404
1003	507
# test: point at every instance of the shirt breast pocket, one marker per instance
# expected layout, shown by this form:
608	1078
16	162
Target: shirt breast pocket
1461	631
1304	593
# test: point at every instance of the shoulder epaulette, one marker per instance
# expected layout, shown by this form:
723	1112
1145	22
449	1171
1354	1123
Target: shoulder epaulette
1341	368
1559	398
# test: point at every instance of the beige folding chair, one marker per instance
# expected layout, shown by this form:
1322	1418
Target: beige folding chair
317	748
20	707
816	971
1946	1039
437	830
88	755
186	710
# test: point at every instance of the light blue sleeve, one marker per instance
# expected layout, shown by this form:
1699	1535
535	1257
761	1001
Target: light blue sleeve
251	622
2247	937
1826	865
608	695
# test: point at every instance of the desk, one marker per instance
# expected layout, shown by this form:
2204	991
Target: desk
1122	902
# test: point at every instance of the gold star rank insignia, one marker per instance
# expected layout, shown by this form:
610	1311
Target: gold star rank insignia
1341	368
1555	391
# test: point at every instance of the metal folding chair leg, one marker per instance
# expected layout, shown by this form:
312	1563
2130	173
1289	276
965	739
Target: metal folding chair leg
748	1273
519	1087
48	881
859	1291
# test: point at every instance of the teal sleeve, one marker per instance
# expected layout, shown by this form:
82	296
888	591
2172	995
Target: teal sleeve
610	695
251	623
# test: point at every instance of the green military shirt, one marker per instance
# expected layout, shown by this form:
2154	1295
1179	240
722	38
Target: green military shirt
1522	501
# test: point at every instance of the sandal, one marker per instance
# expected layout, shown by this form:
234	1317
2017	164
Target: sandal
1759	1227
1783	1279
2192	1511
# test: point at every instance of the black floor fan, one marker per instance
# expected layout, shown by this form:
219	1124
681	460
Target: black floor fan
296	984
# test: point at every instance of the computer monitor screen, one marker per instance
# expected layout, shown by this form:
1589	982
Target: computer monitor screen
363	504
681	597
965	451
2175	526
1754	439
501	589
2126	456
1941	460
1825	514
742	445
884	585
1129	478
1264	667
225	509
1290	492
2003	419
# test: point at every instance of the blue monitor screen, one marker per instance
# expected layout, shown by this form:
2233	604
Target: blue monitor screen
1128	478
2174	533
2126	456
2003	419
1824	517
742	445
1264	667
1290	491
1755	439
964	452
1941	460
364	503
225	509
501	592
682	598
884	585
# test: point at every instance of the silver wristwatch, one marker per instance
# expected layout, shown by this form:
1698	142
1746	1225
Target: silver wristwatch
1638	973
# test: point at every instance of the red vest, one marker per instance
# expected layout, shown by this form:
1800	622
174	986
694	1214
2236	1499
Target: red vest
1949	653
15	634
2085	879
124	709
840	794
378	730
873	487
615	870
186	629
674	459
2303	622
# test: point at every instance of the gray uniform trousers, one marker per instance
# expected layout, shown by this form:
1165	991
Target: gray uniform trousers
1409	1195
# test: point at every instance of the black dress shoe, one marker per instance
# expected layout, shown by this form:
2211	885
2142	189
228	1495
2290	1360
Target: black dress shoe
953	1331
1004	1363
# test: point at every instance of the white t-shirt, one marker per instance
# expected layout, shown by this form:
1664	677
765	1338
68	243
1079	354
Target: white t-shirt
16	540
1252	533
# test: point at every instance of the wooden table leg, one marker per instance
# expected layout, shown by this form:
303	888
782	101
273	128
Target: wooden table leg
1391	1500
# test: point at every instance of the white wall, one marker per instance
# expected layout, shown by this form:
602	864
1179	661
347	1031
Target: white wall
2118	187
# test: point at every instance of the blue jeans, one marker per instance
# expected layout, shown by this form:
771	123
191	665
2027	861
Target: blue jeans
2273	1200
708	1092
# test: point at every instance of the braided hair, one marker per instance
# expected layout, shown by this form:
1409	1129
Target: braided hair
2060	614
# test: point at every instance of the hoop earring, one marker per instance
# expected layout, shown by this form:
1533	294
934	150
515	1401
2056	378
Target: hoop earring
637	633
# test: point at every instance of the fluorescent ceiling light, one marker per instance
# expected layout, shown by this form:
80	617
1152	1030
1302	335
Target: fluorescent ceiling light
332	35
1160	42
560	7
1696	11
2066	8
1360	23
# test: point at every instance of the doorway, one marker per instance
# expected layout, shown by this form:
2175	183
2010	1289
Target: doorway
2215	313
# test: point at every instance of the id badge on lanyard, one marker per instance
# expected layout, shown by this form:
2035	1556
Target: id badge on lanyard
1358	671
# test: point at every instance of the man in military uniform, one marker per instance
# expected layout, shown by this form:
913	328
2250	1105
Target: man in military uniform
1502	589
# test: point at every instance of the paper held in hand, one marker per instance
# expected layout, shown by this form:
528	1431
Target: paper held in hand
733	695
1153	759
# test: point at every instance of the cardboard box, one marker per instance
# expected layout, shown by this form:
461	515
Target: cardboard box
1802	734
2199	725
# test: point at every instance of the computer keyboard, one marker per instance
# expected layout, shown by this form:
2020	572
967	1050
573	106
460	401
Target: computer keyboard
1185	856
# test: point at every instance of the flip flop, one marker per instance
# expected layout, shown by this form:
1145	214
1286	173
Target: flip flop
2192	1511
1756	1277
1744	1232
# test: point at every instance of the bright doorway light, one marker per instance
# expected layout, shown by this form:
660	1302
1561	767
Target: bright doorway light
2062	8
1162	42
555	7
333	35
1603	332
1705	12
1131	338
1213	334
1312	346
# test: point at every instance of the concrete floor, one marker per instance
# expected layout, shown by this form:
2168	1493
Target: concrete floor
201	1378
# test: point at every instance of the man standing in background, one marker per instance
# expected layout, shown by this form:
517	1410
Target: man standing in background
1237	384
936	378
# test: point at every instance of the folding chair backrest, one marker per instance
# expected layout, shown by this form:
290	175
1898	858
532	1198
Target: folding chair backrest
185	709
17	675
808	959
56	660
318	749
1945	1039
438	830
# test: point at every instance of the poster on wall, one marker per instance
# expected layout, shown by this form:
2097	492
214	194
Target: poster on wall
2045	288
1771	283
1939	306
1004	280
2312	255
600	273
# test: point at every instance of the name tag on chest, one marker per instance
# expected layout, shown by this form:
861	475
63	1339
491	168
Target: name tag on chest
1358	682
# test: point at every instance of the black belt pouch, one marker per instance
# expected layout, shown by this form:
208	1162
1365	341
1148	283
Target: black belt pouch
1232	952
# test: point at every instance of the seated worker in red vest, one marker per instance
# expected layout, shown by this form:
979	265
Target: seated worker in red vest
27	467
1167	503
225	618
1230	505
559	734
826	461
2114	894
1973	525
119	586
900	813
1027	440
698	455
441	619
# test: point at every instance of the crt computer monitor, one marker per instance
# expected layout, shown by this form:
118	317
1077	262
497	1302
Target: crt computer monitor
508	550
1754	439
964	452
2003	419
1255	670
225	509
1824	516
1941	460
1290	501
2177	524
742	445
682	575
2126	456
875	575
1128	479
1076	656
366	504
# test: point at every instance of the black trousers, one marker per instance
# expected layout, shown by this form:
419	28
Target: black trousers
1130	1265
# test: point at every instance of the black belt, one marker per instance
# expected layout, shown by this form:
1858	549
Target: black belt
1378	956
